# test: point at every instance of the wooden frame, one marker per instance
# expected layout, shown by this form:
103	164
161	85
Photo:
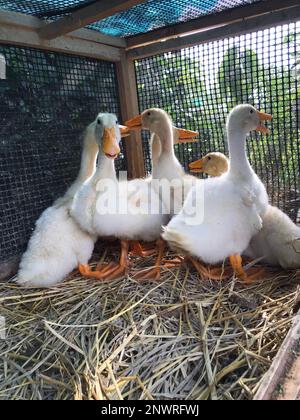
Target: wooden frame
282	381
19	29
130	108
288	15
86	15
237	14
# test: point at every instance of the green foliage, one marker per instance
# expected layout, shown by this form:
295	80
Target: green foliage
238	76
199	96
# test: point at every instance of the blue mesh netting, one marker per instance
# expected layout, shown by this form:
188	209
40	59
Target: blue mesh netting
43	8
159	13
139	19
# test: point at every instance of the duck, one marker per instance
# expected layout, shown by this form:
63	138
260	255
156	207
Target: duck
166	166
213	164
221	215
155	119
58	243
109	207
141	219
278	242
180	136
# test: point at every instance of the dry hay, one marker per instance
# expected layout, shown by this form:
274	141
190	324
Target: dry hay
181	338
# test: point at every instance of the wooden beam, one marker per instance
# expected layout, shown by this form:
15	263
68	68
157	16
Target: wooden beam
22	30
211	21
130	108
250	25
85	16
18	20
272	385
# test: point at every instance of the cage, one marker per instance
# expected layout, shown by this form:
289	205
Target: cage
63	61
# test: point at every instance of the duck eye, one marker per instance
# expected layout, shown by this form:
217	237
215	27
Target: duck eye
251	111
209	158
99	121
149	113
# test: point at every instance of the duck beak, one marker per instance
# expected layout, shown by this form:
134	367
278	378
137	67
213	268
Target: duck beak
124	130
186	136
135	123
110	144
261	128
197	166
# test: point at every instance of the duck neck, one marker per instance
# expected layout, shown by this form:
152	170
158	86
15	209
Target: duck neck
106	168
88	164
155	150
167	165
239	164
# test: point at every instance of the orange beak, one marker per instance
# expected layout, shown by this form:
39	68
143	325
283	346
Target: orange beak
135	123
124	130
110	144
197	166
261	128
186	136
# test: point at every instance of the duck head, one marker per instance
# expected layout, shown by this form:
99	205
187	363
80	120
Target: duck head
153	119
108	134
213	164
156	120
246	118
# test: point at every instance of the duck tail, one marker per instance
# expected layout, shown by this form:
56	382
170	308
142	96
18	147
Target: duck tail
175	239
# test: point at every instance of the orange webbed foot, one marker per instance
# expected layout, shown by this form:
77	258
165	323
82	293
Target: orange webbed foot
138	250
152	274
148	274
250	276
254	275
207	273
115	272
86	271
173	263
105	272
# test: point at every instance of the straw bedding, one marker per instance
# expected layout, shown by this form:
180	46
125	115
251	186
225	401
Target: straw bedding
182	338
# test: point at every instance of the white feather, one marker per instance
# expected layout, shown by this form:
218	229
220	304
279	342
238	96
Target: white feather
58	244
233	204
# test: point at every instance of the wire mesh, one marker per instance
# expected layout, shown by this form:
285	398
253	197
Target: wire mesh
160	13
138	19
198	86
44	8
46	102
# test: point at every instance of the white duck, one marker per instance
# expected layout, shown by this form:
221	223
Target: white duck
58	244
279	240
131	222
213	164
166	166
233	204
180	136
140	220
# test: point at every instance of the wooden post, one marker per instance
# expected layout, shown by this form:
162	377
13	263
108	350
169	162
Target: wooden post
129	109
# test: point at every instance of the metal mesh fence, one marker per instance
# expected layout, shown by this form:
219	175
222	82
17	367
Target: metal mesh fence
44	8
46	102
141	18
199	85
159	13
